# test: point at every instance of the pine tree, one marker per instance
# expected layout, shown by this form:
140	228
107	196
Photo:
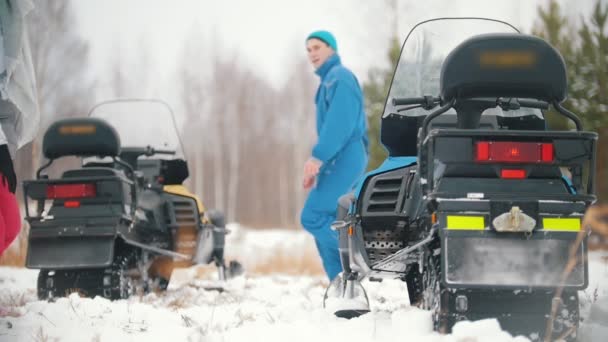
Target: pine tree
590	84
556	29
376	91
586	55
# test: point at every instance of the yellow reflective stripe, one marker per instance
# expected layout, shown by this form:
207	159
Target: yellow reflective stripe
562	224
466	222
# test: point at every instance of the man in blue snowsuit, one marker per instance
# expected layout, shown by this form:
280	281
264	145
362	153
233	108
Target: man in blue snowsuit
340	155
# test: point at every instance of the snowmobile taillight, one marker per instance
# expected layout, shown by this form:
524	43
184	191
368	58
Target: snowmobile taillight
71	204
513	152
512	174
71	191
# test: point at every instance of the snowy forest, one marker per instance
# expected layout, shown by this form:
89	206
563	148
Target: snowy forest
246	139
247	134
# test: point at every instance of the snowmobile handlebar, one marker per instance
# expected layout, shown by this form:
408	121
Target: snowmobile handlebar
425	101
130	154
153	151
144	151
429	102
533	104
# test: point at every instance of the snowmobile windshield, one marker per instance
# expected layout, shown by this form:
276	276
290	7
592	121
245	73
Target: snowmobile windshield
142	123
422	56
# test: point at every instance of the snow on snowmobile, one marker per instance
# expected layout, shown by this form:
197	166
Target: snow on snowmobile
123	221
478	206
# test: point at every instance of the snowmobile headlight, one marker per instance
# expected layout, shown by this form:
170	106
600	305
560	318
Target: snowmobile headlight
570	224
460	222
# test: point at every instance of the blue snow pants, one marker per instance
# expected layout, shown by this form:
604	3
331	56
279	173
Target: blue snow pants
334	180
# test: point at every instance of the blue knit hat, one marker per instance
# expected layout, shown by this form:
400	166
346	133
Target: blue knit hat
326	37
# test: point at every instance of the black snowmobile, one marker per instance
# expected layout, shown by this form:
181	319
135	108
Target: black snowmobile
479	205
123	221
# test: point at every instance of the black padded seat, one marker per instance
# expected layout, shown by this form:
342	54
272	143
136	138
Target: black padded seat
81	137
504	65
93	172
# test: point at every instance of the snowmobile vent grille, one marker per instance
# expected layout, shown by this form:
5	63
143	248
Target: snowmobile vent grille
182	212
383	193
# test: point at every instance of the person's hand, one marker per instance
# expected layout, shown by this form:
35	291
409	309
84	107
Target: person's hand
311	170
308	183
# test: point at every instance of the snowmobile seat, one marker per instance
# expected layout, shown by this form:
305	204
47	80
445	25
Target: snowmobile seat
94	172
99	164
81	137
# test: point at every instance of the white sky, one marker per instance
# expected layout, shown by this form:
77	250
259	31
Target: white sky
269	34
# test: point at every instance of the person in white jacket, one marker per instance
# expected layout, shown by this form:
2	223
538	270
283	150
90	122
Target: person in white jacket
19	113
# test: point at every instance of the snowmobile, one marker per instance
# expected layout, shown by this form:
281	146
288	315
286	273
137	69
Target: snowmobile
478	206
120	223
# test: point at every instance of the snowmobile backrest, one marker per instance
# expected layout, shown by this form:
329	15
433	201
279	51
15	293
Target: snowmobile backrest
504	65
81	137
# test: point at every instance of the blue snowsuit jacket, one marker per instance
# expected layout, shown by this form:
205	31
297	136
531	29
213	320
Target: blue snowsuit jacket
340	113
342	138
342	147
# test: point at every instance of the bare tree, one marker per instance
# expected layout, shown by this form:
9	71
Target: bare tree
131	76
60	59
191	75
249	140
298	100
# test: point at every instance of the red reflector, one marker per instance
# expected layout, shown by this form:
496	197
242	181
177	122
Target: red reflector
71	191
512	174
482	151
71	204
546	153
513	152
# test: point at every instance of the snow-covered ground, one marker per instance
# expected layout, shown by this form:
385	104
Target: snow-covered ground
253	307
